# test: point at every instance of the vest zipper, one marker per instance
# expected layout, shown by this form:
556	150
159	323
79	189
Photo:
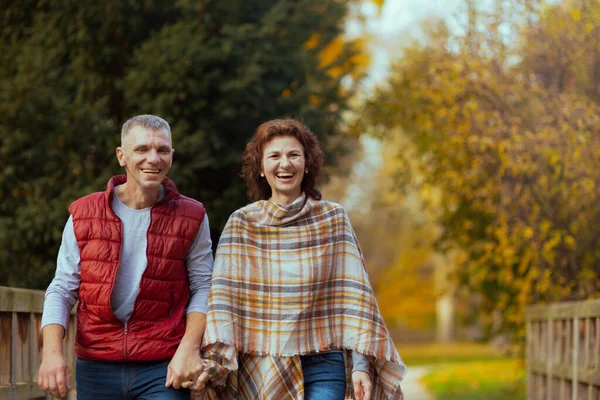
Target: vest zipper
125	341
114	278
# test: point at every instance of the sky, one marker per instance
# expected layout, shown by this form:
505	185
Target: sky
397	23
389	28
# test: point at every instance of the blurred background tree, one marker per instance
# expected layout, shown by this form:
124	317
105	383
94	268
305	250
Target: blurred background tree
505	117
74	71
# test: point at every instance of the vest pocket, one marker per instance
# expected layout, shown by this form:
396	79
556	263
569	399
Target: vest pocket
82	318
171	307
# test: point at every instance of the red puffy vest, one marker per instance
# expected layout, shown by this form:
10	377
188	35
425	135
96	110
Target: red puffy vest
157	323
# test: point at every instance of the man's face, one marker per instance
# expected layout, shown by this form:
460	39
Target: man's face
147	156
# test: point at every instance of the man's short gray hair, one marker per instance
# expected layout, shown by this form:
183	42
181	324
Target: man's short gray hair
147	121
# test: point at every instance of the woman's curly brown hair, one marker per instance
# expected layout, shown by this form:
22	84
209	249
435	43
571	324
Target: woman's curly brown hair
258	187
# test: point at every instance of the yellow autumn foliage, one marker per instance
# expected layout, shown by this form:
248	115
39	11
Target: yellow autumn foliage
511	137
338	57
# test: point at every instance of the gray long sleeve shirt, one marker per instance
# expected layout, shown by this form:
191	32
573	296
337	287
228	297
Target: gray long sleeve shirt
62	294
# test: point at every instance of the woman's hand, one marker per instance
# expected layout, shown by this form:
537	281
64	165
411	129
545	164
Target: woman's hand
361	381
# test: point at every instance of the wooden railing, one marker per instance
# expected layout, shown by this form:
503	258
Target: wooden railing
20	344
563	351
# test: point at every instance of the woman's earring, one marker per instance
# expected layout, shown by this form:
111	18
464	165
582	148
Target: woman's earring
262	175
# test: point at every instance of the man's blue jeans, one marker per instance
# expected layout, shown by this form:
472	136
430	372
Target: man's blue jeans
114	381
324	376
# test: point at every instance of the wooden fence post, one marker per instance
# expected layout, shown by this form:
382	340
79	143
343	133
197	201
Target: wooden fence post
20	311
558	357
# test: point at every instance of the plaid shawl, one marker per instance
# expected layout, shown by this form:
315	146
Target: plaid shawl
290	280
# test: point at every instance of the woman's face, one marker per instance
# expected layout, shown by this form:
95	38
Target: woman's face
284	164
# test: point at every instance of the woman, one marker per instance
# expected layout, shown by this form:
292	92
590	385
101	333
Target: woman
291	311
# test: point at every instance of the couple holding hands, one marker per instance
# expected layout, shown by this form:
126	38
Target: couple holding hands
286	311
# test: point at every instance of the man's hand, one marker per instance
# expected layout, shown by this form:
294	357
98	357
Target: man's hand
362	385
54	375
186	366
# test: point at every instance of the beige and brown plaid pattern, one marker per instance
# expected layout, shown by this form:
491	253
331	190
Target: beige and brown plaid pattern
289	281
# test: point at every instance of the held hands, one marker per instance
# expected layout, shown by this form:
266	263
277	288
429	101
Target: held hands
201	382
361	382
54	375
185	368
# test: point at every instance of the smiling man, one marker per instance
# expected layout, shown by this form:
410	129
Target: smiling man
138	258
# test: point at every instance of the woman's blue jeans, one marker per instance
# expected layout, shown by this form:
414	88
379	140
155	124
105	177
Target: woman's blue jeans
324	376
113	381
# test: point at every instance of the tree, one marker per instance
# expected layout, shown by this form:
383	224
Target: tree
73	72
514	153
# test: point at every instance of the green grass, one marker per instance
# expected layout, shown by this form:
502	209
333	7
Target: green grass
438	353
477	380
467	371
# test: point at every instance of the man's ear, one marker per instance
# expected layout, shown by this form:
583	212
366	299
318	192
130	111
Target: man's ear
121	156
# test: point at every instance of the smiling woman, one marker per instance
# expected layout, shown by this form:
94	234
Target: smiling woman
289	149
284	167
291	311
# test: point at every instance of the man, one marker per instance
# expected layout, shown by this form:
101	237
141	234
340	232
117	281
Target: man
135	256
